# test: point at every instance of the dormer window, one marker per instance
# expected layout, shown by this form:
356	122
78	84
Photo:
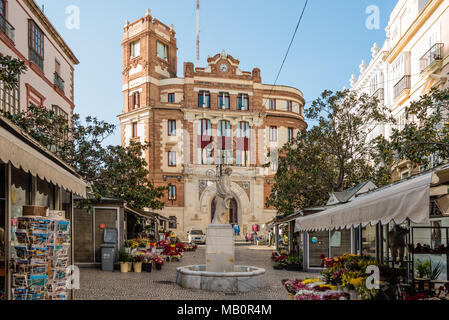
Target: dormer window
223	100
162	50
135	49
204	99
243	102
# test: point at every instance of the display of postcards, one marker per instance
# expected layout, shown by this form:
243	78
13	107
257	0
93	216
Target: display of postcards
38	280
62	250
39	237
36	294
22	252
38	251
23	223
42	260
62	225
60	262
60	274
62	237
20	280
38	268
22	237
19	293
22	266
43	225
60	296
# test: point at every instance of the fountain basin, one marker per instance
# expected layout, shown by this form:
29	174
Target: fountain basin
242	279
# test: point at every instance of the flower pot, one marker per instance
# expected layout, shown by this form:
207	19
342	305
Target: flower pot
130	266
137	267
158	266
124	267
147	267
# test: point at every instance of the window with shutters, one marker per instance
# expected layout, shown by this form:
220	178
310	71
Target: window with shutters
224	152
205	147
243	144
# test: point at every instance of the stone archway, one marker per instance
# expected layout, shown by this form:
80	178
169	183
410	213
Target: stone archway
233	211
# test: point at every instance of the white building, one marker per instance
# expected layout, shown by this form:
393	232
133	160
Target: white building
27	34
413	59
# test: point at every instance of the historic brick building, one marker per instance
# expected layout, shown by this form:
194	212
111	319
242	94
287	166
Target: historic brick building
213	114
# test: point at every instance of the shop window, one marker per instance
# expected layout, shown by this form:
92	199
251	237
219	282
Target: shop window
172	223
20	191
162	50
340	242
369	241
45	194
172	128
318	246
204	99
9	99
36	44
223	100
243	102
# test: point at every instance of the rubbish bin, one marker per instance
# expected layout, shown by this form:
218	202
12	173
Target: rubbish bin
108	249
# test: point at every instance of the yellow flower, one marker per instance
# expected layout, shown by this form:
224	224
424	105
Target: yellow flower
356	282
307	281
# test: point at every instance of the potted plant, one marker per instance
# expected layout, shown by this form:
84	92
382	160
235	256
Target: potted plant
123	258
137	262
159	261
147	265
293	263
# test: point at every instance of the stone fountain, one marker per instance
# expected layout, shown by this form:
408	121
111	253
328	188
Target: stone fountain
220	272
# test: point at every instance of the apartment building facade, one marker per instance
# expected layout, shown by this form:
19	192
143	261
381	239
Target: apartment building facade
413	59
28	35
213	115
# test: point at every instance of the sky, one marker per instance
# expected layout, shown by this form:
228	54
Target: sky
330	44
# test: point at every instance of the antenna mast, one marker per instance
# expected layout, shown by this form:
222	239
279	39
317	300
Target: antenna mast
197	33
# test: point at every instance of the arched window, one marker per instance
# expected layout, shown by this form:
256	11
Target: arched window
205	148
224	151
242	144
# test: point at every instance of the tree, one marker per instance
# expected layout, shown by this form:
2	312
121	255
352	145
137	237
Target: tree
333	155
425	135
10	69
112	171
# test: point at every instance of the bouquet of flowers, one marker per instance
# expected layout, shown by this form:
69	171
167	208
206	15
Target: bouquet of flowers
159	260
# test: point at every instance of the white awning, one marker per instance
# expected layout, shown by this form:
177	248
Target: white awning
23	152
405	200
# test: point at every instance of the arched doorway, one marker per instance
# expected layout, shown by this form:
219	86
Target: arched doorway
233	211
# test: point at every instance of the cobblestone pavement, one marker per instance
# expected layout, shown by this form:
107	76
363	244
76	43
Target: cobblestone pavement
161	285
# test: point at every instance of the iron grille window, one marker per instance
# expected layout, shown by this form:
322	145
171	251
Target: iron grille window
36	44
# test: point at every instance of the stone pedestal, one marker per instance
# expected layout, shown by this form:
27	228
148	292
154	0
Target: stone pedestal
220	249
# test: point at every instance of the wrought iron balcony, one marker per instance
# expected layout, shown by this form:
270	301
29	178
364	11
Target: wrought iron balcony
434	54
7	28
402	85
379	94
36	59
59	82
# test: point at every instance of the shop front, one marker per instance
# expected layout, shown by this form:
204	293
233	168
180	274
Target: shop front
403	226
30	177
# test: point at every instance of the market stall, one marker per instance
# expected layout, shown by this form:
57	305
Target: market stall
36	215
393	226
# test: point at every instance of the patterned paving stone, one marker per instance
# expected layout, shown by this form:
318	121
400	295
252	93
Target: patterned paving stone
161	285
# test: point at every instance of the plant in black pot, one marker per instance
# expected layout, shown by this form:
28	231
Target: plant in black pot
147	265
293	263
158	261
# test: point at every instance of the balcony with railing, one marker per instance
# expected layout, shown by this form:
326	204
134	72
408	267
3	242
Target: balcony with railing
36	59
7	28
401	86
59	82
379	94
431	56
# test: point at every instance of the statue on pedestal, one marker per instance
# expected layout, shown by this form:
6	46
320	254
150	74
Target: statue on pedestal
223	198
